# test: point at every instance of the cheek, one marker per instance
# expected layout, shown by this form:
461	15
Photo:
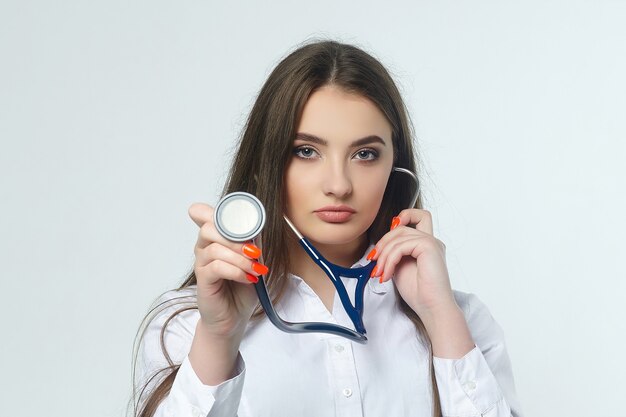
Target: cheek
295	186
373	189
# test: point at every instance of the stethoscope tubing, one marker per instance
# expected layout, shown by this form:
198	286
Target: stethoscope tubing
334	272
306	327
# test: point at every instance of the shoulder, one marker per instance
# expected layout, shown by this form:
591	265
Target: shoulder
469	302
170	323
483	327
175	297
175	308
165	335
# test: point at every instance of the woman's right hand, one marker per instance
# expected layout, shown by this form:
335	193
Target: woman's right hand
225	275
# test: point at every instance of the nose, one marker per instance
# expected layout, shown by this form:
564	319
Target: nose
336	180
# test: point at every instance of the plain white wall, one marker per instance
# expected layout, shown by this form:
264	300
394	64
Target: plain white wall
115	116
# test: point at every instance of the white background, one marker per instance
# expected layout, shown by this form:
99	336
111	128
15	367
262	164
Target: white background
115	116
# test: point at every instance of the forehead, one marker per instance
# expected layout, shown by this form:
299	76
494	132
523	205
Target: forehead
336	115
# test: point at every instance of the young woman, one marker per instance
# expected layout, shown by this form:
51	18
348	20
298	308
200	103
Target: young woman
319	146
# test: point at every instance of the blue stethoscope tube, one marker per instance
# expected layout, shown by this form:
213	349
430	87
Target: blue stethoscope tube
334	272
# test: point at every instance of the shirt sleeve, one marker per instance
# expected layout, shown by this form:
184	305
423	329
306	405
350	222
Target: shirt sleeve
480	383
188	396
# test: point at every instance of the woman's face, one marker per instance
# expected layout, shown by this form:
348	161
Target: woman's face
342	158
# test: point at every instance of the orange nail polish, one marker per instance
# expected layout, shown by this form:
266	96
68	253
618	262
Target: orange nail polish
251	251
374	272
381	279
395	222
260	268
252	278
371	254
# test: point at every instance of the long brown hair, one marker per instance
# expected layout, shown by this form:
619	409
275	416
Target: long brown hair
262	156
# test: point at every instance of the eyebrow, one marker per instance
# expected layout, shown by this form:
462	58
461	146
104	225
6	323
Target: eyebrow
359	142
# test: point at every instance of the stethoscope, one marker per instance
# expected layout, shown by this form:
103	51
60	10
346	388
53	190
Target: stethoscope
240	217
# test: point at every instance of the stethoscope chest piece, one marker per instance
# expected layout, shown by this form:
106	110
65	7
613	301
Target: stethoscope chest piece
239	216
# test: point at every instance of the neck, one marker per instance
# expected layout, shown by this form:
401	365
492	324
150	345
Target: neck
344	255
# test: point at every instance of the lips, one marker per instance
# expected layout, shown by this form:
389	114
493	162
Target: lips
335	214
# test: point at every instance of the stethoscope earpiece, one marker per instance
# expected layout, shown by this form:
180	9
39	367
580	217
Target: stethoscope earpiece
417	183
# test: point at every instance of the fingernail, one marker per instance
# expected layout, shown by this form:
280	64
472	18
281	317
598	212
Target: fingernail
381	279
374	272
251	251
252	278
371	254
395	222
260	268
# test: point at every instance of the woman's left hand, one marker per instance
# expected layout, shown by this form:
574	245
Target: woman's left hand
417	262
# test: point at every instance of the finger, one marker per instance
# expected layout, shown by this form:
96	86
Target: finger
390	237
200	213
393	254
220	270
208	234
413	247
422	219
216	251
